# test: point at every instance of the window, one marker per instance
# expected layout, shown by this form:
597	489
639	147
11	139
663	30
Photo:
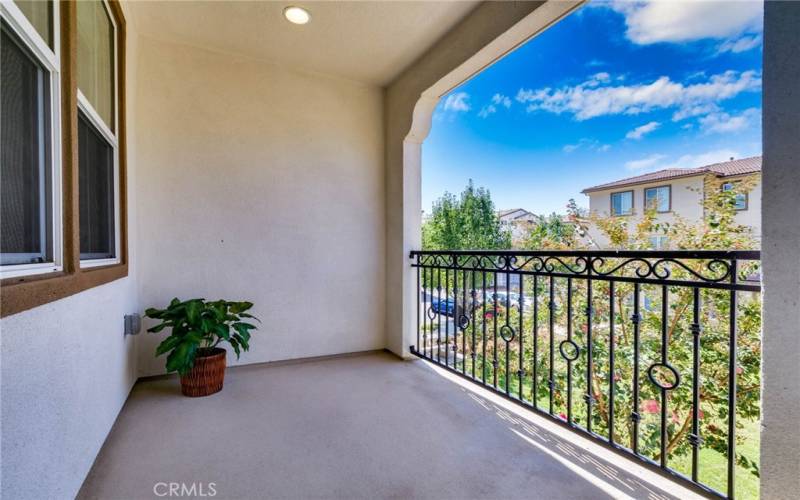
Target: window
72	237
622	203
658	198
97	181
97	142
40	15
740	198
659	242
30	190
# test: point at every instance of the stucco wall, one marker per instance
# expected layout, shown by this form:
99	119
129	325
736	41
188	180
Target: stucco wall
262	183
66	371
687	198
485	35
780	432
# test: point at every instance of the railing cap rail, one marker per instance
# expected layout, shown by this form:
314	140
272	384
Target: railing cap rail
649	254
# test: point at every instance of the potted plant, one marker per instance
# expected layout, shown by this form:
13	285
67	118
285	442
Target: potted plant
198	327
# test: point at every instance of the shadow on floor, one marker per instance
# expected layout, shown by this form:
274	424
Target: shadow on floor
368	426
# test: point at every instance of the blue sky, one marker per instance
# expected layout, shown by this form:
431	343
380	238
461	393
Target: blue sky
614	90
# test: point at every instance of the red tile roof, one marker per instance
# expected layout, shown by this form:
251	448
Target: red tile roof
723	169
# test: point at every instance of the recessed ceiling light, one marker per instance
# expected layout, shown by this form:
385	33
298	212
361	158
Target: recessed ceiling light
296	15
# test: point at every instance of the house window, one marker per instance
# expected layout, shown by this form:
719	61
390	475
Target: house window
740	198
40	15
30	191
622	203
659	242
658	198
73	236
97	141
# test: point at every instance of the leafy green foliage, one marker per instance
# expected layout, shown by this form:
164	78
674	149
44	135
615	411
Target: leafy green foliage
199	326
718	230
550	231
464	223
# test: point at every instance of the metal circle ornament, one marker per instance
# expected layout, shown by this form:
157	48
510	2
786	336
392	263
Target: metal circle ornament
507	333
663	376
431	313
576	351
463	322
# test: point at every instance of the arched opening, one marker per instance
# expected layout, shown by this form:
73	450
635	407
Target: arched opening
456	266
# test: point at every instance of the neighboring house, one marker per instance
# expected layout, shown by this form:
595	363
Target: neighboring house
517	221
676	191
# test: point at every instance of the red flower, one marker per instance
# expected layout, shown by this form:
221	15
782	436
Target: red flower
563	416
650	406
739	370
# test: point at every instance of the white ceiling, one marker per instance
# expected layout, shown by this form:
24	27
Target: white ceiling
369	41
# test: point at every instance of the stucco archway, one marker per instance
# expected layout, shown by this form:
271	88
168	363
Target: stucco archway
487	34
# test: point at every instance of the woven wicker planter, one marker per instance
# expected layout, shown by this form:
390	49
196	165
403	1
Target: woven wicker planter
207	375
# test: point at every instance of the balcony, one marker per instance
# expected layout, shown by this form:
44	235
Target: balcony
361	426
639	350
247	158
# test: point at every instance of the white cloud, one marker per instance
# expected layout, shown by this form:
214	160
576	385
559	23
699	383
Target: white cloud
487	110
644	163
642	130
497	100
587	143
676	22
591	99
598	79
699	160
723	122
655	161
457	102
500	99
740	44
694	110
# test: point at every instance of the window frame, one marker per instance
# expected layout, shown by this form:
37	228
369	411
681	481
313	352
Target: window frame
746	195
611	203
50	59
669	197
94	118
20	293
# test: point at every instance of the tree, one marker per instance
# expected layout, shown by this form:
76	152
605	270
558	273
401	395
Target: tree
464	223
550	231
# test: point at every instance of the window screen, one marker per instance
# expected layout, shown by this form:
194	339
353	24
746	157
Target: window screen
96	179
25	173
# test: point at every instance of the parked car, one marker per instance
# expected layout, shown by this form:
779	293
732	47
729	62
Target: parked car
449	307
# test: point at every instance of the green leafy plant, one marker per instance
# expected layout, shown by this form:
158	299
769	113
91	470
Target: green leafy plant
198	327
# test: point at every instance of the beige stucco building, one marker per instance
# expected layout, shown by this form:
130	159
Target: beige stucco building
675	193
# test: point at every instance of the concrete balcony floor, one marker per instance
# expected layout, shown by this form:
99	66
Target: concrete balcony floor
361	426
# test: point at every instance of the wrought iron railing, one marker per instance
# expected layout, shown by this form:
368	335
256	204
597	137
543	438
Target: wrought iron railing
649	340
